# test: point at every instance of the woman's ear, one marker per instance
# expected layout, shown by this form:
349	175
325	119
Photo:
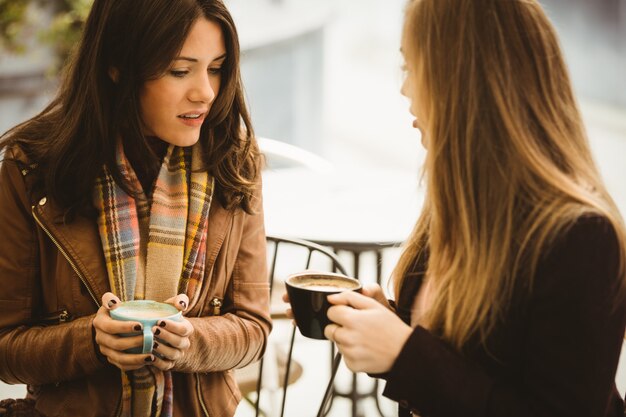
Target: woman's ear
114	74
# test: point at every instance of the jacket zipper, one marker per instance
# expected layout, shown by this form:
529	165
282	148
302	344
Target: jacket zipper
65	255
215	304
199	393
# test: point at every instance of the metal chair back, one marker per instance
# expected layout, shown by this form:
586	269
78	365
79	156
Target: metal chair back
287	256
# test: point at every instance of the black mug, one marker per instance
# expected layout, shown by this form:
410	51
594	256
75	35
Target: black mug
308	292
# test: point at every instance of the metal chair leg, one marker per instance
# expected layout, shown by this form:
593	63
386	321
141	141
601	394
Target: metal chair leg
287	372
258	390
331	383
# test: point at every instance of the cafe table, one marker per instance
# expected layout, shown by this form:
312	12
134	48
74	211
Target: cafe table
349	210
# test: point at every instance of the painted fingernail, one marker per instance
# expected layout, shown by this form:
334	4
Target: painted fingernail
155	346
137	327
111	303
182	303
162	324
157	332
148	359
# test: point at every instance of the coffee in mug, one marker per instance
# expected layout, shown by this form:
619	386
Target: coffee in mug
148	313
308	292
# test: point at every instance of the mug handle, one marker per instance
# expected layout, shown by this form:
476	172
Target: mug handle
148	339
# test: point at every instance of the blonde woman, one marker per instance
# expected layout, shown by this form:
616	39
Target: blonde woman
509	293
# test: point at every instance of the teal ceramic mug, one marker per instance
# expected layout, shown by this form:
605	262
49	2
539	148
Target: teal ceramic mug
148	313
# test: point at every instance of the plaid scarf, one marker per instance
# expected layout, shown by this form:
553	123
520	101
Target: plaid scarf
154	249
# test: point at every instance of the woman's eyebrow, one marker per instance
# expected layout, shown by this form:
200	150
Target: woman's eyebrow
185	58
220	58
190	59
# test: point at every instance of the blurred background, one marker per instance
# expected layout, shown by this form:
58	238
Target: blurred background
324	75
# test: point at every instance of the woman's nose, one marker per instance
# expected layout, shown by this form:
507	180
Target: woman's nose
404	88
203	90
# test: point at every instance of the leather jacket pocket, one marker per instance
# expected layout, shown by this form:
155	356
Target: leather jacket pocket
218	393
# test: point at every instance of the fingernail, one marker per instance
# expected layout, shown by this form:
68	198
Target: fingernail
157	332
137	327
182	303
148	359
162	324
111	303
156	345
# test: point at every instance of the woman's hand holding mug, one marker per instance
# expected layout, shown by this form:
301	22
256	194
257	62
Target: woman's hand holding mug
175	334
115	338
365	329
368	334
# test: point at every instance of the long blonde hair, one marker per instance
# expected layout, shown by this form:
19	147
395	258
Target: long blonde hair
508	165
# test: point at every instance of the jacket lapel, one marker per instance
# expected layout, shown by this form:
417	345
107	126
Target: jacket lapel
219	221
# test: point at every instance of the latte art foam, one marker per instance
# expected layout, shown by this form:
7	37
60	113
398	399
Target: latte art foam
146	314
145	310
323	283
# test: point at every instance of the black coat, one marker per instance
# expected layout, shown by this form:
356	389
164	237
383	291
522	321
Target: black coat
554	354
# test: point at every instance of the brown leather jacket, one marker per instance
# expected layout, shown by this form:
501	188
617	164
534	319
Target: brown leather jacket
52	277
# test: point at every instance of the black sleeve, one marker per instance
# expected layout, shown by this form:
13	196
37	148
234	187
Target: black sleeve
571	343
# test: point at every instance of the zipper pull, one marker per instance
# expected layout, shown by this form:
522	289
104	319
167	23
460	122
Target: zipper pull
61	316
64	316
216	304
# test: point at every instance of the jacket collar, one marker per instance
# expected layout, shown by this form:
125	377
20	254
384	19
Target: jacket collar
79	242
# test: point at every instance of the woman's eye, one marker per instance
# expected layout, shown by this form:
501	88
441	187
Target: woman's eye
178	73
215	71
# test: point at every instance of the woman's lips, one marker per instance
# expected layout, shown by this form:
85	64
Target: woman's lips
191	121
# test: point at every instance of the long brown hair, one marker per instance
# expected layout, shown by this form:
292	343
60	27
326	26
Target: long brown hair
508	165
74	136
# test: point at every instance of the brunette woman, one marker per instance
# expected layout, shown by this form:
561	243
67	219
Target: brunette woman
139	181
